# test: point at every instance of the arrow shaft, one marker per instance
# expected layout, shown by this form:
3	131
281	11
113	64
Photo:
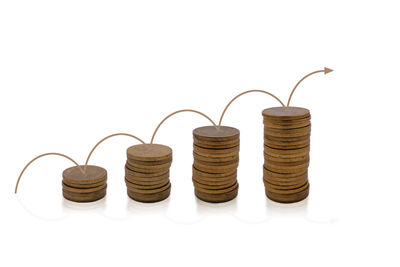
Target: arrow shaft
104	139
299	82
176	112
40	156
246	92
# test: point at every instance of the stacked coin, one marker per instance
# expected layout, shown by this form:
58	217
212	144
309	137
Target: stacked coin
216	158
286	153
147	172
84	183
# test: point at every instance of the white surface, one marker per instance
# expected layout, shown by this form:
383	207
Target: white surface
72	72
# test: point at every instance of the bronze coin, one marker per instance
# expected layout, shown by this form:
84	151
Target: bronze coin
287	192
286	113
85	185
213	175
286	125
288	139
286	152
133	177
286	164
217	191
150	198
216	152
130	185
288	169
84	197
215	169
216	145
283	187
288	198
294	159
217	198
131	172
146	170
285	181
220	163
216	181
304	134
213	187
302	130
151	191
286	146
283	175
213	159
144	182
91	175
150	163
158	167
211	133
216	142
83	190
149	152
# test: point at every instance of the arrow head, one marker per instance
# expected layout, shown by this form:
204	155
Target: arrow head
327	70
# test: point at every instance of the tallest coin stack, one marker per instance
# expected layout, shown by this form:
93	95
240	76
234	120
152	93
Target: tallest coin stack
286	153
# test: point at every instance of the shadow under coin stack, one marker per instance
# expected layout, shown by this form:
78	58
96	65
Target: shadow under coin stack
286	153
216	158
147	172
84	184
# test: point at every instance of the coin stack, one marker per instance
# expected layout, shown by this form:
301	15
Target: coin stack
147	172
286	153
84	183
216	158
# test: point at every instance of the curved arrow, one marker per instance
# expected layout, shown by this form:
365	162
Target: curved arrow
325	71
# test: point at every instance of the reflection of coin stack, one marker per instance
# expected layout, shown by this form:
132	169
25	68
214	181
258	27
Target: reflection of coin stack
286	153
216	158
147	172
84	184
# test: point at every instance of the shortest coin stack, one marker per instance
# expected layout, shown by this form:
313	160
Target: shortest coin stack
84	183
216	158
286	153
147	172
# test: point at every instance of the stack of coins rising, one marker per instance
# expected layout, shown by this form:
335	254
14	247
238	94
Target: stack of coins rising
84	183
147	172
286	153
216	158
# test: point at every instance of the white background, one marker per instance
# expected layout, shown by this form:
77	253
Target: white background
72	72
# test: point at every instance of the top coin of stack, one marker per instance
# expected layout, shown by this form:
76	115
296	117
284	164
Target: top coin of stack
216	158
286	153
84	183
147	172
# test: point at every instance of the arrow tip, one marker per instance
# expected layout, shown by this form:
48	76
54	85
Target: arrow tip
327	70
